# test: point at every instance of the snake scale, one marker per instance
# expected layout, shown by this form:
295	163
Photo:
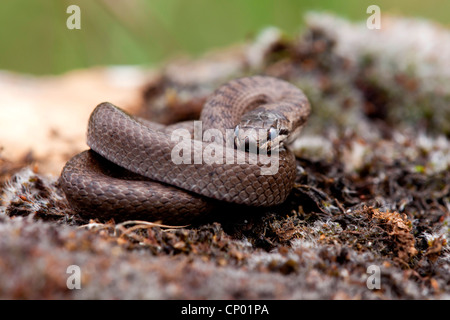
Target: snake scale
129	170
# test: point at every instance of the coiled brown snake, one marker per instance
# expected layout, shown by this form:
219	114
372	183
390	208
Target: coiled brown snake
130	170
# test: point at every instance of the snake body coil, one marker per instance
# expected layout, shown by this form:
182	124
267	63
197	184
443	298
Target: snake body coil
130	173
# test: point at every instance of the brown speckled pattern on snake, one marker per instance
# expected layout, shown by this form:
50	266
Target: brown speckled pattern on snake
181	190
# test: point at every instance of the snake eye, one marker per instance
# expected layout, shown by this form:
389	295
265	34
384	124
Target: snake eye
272	134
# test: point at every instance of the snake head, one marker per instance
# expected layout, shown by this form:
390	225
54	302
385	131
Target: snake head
261	131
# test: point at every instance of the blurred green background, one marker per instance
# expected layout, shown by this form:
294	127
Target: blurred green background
34	38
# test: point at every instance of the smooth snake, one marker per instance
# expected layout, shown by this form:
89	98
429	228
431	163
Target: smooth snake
129	171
